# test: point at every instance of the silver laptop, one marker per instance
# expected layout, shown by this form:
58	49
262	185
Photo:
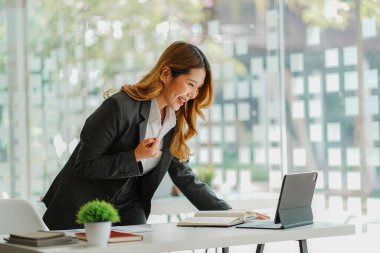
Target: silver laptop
294	204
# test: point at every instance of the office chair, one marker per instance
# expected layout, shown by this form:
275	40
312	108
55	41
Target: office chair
19	216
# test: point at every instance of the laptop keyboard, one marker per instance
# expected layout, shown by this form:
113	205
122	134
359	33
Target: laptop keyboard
269	224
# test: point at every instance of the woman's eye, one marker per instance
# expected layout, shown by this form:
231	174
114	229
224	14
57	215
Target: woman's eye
191	85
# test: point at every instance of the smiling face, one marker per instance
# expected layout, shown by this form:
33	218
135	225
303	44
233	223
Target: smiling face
177	91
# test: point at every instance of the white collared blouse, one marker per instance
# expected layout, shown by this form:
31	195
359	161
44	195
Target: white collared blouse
157	130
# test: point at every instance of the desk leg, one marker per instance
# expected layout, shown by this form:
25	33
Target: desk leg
260	248
303	246
225	250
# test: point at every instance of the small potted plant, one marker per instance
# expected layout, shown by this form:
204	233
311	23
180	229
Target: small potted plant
206	174
97	217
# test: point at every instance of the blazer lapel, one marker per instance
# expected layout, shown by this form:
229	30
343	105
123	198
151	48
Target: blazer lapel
144	113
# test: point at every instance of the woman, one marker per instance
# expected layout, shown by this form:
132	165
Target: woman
136	136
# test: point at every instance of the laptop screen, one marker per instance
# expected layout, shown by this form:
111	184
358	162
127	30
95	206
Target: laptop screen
294	203
297	192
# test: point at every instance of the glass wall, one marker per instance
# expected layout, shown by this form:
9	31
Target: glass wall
332	93
5	178
296	87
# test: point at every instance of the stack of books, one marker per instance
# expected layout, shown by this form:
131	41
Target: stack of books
41	238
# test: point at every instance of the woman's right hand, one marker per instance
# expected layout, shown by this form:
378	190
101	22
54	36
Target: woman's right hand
146	149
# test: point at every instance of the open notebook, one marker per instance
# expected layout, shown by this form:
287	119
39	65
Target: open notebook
217	218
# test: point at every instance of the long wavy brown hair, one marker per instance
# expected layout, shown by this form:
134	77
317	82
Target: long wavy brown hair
180	57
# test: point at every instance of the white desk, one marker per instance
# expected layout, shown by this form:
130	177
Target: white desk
168	237
243	201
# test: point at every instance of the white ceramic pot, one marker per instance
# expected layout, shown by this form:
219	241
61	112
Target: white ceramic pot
98	233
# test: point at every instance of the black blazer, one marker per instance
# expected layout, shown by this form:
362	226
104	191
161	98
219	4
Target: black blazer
103	166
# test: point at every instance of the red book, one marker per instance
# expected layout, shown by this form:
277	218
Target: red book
115	236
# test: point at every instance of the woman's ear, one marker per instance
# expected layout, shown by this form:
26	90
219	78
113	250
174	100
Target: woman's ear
165	74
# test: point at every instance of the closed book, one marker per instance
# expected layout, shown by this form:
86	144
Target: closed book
38	235
42	242
115	236
40	238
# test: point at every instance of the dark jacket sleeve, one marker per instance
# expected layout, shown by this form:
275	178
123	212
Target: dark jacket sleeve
199	193
100	131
